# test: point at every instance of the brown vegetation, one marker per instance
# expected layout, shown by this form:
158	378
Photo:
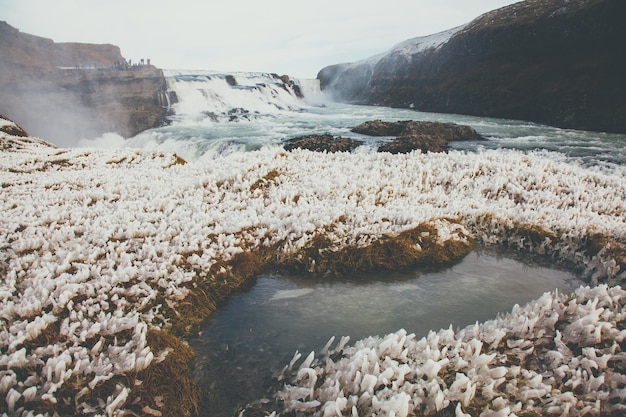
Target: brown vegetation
267	180
412	247
167	383
210	288
166	388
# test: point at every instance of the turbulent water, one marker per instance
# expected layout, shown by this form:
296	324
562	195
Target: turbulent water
214	118
214	115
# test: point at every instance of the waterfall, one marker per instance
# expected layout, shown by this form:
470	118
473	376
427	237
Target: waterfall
236	96
167	98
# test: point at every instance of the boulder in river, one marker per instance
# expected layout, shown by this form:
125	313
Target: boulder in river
323	143
412	135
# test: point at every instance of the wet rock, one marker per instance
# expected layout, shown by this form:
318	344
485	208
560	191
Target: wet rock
323	143
288	83
214	117
297	91
412	135
237	114
231	80
380	128
451	132
406	144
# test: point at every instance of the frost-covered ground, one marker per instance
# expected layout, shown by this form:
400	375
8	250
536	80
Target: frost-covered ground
562	354
96	244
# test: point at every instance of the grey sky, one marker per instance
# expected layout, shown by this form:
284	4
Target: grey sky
288	37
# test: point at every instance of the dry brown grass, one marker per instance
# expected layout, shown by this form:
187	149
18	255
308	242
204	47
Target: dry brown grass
613	249
171	381
412	247
267	180
166	386
163	389
176	160
594	244
210	288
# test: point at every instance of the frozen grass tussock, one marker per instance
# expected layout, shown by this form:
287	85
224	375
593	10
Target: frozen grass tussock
561	354
105	254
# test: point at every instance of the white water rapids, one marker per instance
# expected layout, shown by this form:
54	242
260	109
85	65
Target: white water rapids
214	118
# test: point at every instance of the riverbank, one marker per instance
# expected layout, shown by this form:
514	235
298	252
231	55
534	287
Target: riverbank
110	255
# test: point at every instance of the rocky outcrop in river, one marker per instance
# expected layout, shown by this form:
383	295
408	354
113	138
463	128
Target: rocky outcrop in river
63	92
409	136
323	143
412	135
558	62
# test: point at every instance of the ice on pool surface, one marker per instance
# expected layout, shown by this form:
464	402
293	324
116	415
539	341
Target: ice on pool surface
281	295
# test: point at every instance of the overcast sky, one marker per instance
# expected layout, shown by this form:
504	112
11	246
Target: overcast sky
288	37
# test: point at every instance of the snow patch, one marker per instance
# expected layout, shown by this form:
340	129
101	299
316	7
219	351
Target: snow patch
414	46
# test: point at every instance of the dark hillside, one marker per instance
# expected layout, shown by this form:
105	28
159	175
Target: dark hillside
559	62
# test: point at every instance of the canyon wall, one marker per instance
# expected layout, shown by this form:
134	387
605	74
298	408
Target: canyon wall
63	92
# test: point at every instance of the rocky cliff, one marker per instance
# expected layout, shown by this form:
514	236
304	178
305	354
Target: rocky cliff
558	62
63	92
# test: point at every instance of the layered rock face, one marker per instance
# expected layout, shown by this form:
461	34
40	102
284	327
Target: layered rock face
63	92
558	62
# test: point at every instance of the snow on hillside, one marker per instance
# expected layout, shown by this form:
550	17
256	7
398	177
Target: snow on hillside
94	244
407	48
420	44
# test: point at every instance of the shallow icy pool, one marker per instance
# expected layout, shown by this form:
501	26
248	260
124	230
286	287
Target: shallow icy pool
258	330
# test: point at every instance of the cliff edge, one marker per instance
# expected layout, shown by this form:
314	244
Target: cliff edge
63	92
557	62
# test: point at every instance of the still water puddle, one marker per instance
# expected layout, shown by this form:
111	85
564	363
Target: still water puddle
257	331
